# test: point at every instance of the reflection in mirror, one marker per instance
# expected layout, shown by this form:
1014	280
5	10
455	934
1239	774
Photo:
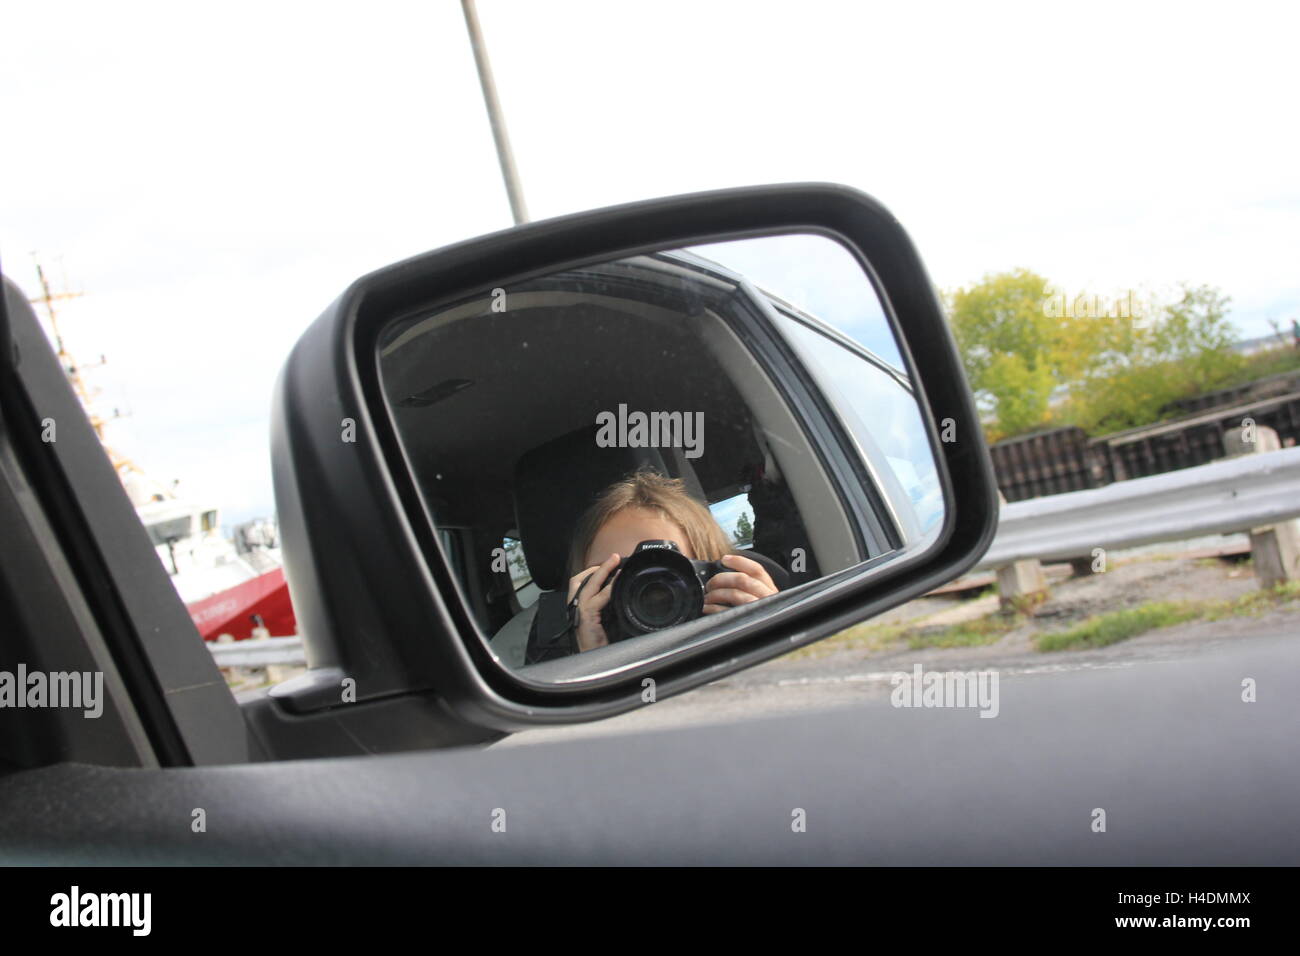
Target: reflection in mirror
615	454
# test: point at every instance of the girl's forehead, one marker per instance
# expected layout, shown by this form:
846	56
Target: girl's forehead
635	515
636	523
639	513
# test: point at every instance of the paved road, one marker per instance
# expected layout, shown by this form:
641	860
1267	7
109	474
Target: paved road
854	678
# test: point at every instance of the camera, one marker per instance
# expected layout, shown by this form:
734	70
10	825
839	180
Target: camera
656	587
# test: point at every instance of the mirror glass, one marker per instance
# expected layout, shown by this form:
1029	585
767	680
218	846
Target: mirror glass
620	456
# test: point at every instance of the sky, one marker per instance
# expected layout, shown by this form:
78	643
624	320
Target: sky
816	275
211	176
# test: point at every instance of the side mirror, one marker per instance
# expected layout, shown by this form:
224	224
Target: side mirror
553	473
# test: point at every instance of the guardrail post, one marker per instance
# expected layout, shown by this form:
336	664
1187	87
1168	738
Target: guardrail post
1021	584
1275	549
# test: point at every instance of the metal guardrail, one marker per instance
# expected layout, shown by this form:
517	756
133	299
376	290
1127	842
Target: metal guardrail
1223	497
1219	498
259	652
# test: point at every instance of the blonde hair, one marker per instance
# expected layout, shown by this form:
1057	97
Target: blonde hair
651	491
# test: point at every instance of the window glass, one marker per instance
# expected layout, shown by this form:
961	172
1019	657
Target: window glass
526	591
882	414
736	517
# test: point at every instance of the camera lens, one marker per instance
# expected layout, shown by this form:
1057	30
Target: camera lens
656	603
656	588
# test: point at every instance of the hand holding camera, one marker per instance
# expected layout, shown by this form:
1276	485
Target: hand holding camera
739	581
588	596
657	587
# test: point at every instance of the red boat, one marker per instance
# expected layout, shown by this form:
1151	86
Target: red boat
238	610
230	587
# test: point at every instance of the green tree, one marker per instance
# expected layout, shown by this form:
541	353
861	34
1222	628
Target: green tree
1197	337
1184	348
744	530
1116	366
1016	349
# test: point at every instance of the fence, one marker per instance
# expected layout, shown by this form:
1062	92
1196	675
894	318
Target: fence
1065	459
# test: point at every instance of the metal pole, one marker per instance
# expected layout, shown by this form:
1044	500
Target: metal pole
508	171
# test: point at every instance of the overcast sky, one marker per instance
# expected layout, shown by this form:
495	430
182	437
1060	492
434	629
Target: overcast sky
213	175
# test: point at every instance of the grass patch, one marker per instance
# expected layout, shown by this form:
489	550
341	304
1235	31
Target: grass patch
1253	604
1117	626
1098	631
986	630
871	636
868	636
1120	625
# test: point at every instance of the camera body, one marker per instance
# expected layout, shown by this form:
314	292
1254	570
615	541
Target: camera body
656	587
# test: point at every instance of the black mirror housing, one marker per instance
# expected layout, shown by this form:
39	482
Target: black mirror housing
374	593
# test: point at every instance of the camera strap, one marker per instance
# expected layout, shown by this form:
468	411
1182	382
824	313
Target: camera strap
571	609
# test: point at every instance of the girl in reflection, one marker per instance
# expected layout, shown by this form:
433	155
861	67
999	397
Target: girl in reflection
648	506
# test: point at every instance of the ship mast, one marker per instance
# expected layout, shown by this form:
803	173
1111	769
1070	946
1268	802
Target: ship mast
72	369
